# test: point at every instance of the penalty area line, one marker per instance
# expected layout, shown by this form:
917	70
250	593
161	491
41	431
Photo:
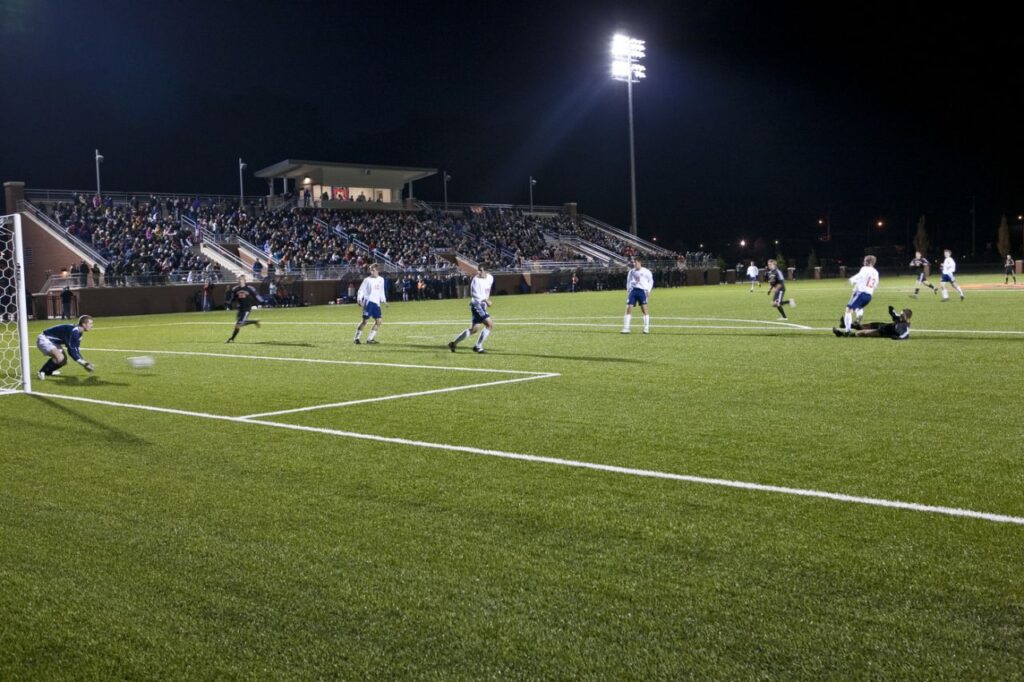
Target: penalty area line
606	468
347	403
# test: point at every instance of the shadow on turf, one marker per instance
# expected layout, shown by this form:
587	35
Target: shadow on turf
468	348
296	344
87	382
116	435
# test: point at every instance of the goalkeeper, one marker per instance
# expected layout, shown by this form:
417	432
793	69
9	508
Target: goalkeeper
69	335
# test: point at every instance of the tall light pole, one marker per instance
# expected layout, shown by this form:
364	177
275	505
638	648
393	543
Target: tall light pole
626	55
241	184
533	182
99	160
446	177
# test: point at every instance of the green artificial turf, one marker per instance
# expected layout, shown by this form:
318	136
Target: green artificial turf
186	543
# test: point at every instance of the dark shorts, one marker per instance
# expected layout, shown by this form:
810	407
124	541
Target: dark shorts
779	295
479	311
636	296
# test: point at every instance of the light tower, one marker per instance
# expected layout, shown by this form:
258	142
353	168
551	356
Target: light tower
626	55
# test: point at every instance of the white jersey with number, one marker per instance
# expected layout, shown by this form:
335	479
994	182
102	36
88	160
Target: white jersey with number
865	281
948	266
480	287
639	278
372	291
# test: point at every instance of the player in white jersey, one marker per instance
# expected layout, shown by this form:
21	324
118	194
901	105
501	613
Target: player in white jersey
752	273
639	282
864	283
371	297
949	276
479	301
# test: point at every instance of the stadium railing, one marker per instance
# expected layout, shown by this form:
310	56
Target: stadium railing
94	255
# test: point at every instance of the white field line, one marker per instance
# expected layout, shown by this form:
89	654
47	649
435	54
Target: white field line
607	468
324	361
347	403
561	322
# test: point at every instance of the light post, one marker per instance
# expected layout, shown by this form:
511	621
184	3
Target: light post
241	184
626	55
532	183
99	160
446	177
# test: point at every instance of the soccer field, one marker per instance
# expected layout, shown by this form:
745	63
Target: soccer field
731	496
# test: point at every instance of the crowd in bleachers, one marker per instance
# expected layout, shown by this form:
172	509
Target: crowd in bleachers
140	241
145	240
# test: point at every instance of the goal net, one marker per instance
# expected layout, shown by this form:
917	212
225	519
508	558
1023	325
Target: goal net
14	371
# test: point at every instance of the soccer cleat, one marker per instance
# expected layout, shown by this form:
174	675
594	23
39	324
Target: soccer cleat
371	341
783	318
792	303
357	342
934	290
624	331
913	295
647	331
478	349
55	373
961	298
42	376
230	341
451	346
258	325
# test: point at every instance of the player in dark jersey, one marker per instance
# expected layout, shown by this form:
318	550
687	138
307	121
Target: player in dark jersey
897	330
67	335
1010	270
777	289
246	297
921	263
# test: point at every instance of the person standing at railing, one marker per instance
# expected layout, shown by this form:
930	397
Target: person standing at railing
66	297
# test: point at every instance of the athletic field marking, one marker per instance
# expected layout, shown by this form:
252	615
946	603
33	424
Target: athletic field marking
655	325
608	468
361	401
326	361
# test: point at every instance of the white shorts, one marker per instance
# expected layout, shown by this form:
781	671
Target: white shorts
45	345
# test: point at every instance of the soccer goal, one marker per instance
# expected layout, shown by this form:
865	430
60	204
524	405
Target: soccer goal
14	370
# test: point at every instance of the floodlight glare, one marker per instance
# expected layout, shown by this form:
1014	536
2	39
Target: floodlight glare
626	53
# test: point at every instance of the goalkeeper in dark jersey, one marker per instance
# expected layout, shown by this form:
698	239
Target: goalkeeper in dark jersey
67	335
245	296
897	330
921	263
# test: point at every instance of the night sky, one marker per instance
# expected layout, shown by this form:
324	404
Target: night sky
756	119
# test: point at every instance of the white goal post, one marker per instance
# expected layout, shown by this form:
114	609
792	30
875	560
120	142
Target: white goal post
15	375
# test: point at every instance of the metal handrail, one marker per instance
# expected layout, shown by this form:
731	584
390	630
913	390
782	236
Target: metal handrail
125	197
623	235
25	205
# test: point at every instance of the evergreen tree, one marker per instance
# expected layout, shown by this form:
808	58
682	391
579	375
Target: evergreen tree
1003	238
921	238
780	261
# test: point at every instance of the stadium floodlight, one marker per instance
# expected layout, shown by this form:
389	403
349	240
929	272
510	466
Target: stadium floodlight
241	183
446	177
626	55
99	160
533	181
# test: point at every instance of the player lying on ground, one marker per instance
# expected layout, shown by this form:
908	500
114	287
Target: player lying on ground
897	330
